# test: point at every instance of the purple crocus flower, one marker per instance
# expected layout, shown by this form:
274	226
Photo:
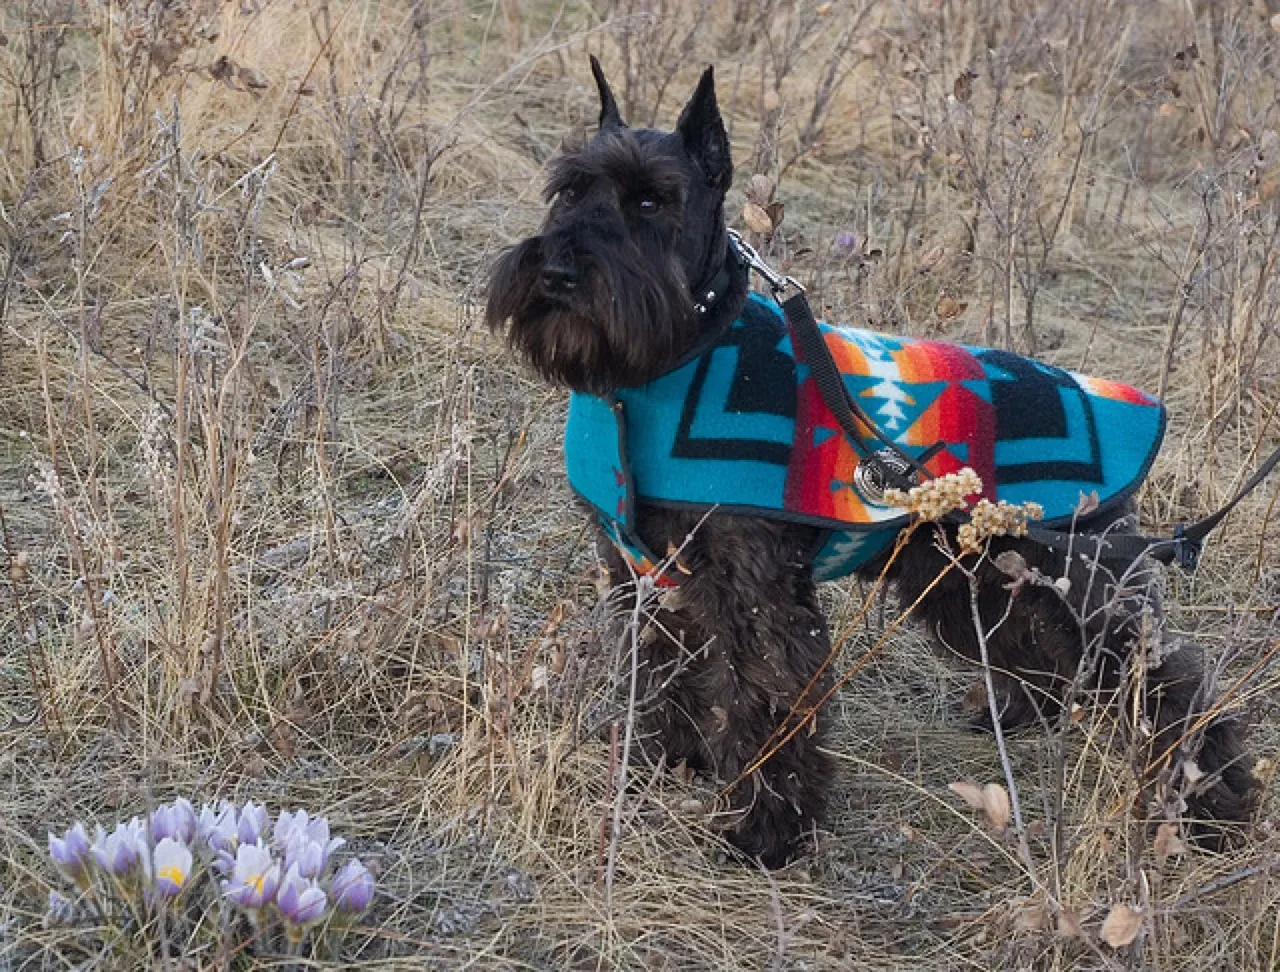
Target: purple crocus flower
352	888
171	864
122	851
254	878
306	855
217	830
289	826
176	820
70	853
305	841
251	824
846	242
300	900
213	818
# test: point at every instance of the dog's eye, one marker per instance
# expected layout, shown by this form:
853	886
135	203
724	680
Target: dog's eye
568	195
649	206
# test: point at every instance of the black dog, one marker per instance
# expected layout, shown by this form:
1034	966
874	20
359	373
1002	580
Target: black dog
632	273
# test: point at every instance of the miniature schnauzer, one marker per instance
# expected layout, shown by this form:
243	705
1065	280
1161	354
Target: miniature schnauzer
693	417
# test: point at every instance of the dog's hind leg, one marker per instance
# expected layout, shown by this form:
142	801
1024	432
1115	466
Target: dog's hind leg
1199	751
1041	642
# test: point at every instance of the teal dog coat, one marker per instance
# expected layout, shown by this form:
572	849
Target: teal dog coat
740	427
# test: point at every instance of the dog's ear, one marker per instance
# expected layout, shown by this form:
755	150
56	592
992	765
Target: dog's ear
702	130
609	116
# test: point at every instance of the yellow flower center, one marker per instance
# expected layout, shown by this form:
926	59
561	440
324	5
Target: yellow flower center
257	881
173	873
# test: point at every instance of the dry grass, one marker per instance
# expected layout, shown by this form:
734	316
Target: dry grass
280	521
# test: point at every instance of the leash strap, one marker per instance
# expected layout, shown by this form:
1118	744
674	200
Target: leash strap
1185	546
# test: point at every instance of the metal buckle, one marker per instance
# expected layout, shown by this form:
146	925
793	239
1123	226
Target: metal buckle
777	281
880	472
1186	549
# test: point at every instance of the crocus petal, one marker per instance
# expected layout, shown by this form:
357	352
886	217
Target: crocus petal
306	855
70	852
251	824
288	824
299	900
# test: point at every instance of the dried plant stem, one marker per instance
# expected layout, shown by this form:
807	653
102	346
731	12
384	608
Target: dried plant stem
643	590
993	709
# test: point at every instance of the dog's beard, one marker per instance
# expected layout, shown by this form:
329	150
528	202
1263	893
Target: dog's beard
623	325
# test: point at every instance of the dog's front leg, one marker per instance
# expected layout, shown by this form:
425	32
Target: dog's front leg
750	594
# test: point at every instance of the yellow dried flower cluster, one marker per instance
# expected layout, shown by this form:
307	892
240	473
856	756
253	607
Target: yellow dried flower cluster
935	498
1002	519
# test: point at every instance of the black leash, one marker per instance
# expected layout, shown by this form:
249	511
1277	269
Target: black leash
1185	546
890	466
893	467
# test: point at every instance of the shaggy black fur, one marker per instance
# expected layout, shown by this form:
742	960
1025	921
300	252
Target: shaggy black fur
601	298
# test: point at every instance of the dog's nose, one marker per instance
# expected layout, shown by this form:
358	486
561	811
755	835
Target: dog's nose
560	276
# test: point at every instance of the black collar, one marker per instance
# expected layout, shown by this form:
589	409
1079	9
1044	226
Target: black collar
710	291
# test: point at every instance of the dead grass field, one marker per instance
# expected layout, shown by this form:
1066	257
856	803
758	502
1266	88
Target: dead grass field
282	522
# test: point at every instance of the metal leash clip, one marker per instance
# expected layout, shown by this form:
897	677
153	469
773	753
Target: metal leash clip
881	471
777	281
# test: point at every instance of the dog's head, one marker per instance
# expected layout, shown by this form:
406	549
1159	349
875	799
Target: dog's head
604	296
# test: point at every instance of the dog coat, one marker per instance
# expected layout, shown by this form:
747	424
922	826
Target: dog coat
740	427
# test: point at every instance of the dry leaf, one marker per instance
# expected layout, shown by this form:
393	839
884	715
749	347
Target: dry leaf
1191	772
1087	503
995	804
1122	926
1167	109
776	212
948	307
757	219
1031	915
931	259
1063	585
962	88
970	793
1275	23
1264	771
691	806
760	189
538	678
992	800
1069	924
1168	843
771	101
18	566
1076	714
1012	564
